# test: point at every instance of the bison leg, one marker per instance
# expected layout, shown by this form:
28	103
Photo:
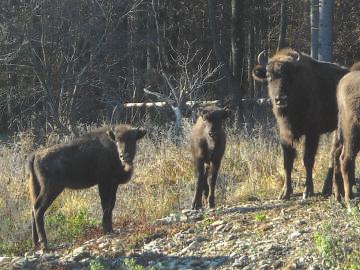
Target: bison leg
200	184
35	237
108	197
311	145
42	203
327	187
206	184
338	181
213	176
347	164
289	156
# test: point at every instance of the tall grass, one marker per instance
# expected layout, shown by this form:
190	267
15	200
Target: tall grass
163	182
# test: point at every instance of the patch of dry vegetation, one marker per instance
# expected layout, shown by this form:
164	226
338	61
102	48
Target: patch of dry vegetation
163	182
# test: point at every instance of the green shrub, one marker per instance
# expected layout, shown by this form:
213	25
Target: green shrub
260	217
132	265
70	227
327	245
96	264
352	262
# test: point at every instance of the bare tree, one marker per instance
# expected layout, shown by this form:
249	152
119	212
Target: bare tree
325	29
314	17
194	73
283	26
232	83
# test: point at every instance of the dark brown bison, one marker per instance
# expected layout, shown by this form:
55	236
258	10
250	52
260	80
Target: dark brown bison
103	157
207	146
348	96
303	96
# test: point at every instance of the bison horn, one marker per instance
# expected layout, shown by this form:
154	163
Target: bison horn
296	55
262	58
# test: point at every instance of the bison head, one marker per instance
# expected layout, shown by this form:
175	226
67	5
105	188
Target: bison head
125	138
214	117
280	73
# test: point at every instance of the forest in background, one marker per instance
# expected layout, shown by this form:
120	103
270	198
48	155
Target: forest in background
77	61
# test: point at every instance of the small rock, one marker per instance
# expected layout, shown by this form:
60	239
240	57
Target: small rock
264	266
4	261
117	246
300	222
219	228
314	267
294	235
103	245
242	261
231	237
31	259
217	223
80	253
85	261
189	247
19	262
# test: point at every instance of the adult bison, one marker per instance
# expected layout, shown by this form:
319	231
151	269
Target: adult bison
348	96
103	157
303	96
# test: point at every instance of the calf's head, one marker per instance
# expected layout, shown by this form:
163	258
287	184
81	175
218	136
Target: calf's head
281	73
125	138
214	117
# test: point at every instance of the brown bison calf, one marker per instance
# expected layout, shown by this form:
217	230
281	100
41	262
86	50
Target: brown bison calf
103	157
207	146
348	98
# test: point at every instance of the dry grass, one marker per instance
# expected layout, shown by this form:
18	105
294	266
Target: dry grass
163	182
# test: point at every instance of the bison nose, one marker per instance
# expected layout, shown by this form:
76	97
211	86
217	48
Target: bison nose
281	100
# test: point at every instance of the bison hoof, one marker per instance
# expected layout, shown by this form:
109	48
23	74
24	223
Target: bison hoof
326	192
35	245
196	205
308	193
285	195
108	231
337	197
211	204
44	247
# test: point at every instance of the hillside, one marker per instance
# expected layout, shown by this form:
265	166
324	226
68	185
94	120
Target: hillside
313	234
248	229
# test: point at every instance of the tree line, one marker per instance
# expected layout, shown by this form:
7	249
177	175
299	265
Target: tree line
76	61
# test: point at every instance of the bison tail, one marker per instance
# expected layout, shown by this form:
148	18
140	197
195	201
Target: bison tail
34	186
355	67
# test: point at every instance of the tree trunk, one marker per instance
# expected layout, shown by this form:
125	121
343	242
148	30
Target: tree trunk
233	83
251	50
283	26
325	29
235	38
314	18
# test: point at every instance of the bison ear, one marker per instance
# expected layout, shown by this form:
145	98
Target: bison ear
140	133
259	73
111	134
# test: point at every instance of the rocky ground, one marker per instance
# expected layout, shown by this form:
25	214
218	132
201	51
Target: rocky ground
313	234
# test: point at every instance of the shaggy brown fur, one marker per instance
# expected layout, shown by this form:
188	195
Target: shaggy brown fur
103	157
208	142
348	98
302	92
